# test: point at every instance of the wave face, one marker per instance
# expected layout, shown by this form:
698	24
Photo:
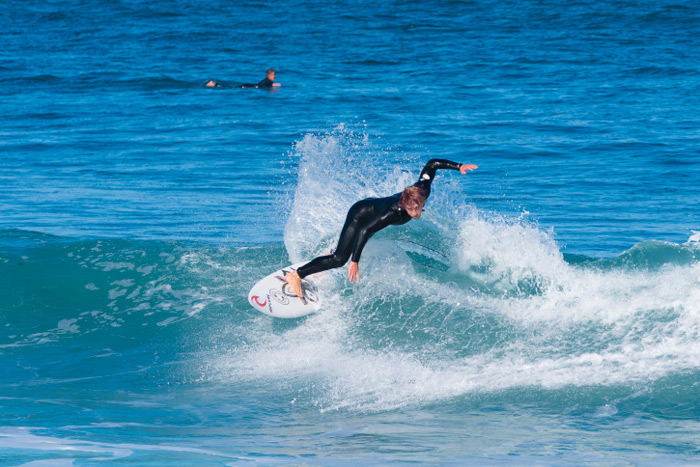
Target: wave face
505	313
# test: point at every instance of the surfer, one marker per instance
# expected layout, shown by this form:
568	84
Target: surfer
369	216
267	83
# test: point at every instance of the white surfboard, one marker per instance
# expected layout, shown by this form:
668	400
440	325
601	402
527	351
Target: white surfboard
272	295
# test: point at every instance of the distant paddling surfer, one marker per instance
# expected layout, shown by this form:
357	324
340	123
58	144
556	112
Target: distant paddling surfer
369	216
267	83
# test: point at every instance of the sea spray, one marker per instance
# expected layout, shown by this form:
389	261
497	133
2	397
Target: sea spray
335	170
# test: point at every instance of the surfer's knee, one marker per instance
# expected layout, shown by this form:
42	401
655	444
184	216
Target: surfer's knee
338	260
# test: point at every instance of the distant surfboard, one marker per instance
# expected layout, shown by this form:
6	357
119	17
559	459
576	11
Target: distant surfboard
272	296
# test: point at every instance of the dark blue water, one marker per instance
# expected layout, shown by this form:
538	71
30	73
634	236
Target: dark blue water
545	309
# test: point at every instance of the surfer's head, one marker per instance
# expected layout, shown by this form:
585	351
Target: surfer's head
270	74
412	200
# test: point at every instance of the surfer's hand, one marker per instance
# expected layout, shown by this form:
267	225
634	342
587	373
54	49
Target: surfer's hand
464	168
353	272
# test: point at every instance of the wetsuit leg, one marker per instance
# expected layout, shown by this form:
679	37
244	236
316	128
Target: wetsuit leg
353	222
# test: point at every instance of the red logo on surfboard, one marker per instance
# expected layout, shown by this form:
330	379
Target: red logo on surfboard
255	298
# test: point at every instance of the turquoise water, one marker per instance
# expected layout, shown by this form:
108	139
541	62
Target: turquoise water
545	310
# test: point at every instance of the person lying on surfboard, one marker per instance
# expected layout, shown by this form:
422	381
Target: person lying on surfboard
267	83
369	216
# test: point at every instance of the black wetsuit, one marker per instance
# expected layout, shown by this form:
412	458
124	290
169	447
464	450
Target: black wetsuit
369	216
264	84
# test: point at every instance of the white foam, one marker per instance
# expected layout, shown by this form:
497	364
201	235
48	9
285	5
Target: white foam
506	251
587	327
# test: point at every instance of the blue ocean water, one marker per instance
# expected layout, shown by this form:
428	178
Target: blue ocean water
545	310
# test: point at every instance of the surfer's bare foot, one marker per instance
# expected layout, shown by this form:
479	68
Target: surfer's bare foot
294	282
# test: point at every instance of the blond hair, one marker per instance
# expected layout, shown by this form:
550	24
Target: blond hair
412	195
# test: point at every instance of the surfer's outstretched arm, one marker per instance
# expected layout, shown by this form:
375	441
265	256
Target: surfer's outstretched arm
427	175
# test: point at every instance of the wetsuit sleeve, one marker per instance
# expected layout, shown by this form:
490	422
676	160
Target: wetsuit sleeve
427	175
370	228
